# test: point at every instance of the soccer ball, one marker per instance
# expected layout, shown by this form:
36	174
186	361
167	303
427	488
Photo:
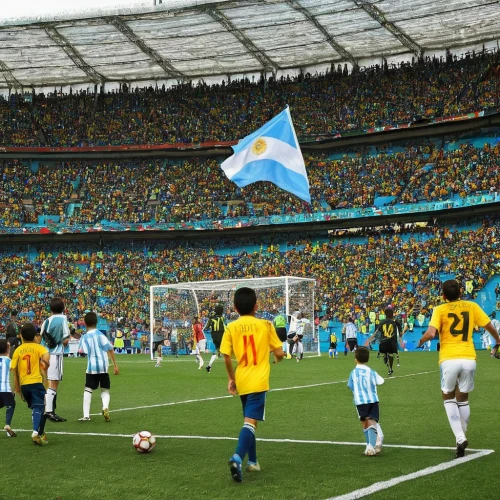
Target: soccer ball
144	441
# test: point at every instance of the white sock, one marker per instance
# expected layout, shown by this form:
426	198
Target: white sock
105	396
464	410
87	398
49	400
212	359
380	434
450	405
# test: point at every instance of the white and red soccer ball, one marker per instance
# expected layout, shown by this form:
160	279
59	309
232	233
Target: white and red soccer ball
144	441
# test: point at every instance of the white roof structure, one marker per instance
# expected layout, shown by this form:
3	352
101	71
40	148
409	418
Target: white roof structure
181	40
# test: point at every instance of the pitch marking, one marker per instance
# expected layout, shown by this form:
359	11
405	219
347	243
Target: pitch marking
215	398
384	485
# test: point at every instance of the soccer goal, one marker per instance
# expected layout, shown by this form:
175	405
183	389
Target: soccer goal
173	307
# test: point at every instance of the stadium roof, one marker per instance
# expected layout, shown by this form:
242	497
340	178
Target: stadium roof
192	39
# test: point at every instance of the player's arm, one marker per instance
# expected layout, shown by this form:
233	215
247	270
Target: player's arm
369	340
428	335
279	354
44	366
111	355
494	333
231	384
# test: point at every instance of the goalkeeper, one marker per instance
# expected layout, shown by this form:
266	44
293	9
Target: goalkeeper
217	328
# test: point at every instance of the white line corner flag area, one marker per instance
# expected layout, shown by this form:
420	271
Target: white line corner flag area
272	154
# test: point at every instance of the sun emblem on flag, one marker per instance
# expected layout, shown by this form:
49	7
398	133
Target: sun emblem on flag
259	146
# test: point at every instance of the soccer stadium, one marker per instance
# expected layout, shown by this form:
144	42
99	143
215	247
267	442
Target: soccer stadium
216	211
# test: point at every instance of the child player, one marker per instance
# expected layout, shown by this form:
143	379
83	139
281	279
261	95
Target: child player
250	339
29	364
6	394
98	350
363	383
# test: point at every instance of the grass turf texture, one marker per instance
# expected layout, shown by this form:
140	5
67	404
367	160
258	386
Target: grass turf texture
88	467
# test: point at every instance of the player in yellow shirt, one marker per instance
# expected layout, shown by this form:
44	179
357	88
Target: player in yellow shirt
251	340
29	375
454	321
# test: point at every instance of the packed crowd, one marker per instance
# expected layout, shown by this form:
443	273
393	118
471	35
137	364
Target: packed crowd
140	191
353	278
373	97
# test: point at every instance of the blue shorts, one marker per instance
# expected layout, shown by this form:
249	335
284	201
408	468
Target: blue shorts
34	394
368	411
254	405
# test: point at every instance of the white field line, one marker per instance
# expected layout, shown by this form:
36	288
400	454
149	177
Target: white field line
383	485
262	440
214	398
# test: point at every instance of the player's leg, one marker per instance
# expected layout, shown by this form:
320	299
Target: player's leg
215	353
91	384
253	410
54	376
200	347
159	356
7	400
34	395
105	383
450	371
300	350
464	386
390	359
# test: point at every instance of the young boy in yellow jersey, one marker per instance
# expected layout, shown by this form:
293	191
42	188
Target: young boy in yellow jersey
29	364
454	321
251	340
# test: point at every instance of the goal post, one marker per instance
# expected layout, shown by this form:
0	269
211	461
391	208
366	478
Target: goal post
174	306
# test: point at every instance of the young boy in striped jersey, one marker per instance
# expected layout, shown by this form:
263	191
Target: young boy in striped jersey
363	383
6	394
98	349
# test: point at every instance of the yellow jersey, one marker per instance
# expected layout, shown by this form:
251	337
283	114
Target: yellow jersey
251	339
26	361
455	323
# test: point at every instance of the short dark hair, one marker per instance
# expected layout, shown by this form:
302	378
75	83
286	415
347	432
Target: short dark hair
451	290
57	305
362	354
13	312
90	319
245	300
28	332
218	309
389	312
3	346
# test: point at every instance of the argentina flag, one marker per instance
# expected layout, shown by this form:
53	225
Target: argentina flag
272	154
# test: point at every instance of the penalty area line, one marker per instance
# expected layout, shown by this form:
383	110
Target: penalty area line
384	485
278	389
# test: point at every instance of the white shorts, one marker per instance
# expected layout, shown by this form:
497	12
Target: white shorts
457	371
201	346
55	371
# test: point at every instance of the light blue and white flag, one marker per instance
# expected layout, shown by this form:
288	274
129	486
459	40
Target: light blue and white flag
272	154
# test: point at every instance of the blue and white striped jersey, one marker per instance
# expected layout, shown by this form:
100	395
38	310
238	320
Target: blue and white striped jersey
363	383
96	346
5	374
57	327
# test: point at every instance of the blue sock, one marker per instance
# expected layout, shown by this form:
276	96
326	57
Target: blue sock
37	417
252	450
245	440
366	436
9	414
372	435
41	427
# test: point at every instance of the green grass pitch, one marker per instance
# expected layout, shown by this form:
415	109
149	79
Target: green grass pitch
310	445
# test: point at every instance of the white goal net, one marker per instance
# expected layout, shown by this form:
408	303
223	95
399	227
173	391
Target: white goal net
173	307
